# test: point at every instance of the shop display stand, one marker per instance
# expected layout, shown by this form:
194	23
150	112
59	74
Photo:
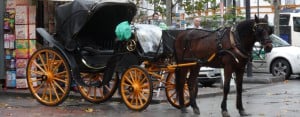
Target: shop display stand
19	41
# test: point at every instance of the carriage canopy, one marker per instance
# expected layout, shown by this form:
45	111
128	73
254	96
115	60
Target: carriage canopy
91	20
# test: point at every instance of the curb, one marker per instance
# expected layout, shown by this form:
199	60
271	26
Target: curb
263	80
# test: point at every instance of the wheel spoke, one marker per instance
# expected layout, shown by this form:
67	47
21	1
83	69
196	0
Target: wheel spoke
59	87
132	78
145	85
143	96
43	62
95	93
107	88
57	65
59	79
47	60
101	93
37	65
140	99
172	94
36	72
61	74
44	96
88	91
54	90
38	88
127	79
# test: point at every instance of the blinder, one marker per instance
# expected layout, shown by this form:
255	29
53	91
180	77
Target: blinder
262	35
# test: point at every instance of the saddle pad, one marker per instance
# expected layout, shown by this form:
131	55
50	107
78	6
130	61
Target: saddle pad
149	36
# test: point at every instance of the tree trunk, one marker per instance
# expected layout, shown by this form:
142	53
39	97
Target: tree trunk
169	12
276	4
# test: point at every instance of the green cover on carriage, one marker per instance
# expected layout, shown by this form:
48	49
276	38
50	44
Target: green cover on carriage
90	21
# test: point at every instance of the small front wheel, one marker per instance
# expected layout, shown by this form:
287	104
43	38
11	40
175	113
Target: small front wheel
171	93
136	88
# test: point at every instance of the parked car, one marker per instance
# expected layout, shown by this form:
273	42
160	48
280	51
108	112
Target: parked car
208	76
283	60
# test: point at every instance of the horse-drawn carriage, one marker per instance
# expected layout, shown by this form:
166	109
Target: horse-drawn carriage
86	50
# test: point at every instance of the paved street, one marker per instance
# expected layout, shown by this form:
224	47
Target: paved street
280	99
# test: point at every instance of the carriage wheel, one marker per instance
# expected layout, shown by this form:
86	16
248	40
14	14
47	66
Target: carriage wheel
171	92
48	77
136	88
97	93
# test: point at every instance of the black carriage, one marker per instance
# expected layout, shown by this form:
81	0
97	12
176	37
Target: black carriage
86	50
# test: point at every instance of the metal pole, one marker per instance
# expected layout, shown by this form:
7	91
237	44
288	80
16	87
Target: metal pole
257	8
2	72
249	64
234	11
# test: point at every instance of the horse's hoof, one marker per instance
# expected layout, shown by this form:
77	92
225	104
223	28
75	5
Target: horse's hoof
184	110
243	113
196	111
225	114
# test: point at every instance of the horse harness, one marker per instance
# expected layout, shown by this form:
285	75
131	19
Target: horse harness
233	51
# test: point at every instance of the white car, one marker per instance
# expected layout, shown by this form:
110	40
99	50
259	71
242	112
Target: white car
283	60
208	76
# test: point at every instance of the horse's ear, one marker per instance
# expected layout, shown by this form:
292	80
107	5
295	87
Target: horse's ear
256	18
266	17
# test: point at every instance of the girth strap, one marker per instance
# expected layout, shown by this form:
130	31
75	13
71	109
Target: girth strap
234	45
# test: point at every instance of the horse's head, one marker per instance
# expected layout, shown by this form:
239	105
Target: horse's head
262	32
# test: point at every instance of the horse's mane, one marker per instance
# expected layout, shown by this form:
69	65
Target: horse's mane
244	27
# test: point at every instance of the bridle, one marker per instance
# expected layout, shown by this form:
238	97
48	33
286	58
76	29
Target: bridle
258	29
264	40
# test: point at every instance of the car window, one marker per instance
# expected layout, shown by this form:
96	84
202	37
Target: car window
284	19
296	24
278	42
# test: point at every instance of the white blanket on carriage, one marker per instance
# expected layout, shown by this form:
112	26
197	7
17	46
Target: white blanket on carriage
149	36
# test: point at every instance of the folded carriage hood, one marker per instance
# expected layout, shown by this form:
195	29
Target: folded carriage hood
96	16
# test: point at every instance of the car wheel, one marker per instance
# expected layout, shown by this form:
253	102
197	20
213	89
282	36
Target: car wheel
207	82
281	67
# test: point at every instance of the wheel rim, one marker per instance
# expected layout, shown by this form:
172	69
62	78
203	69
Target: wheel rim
172	94
97	93
136	89
48	77
280	69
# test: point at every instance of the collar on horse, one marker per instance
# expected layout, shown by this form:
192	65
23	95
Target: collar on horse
235	43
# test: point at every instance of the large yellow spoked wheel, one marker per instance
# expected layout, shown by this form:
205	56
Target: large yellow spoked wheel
136	88
171	93
97	93
48	77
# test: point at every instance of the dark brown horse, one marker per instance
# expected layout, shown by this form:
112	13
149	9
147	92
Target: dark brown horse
229	48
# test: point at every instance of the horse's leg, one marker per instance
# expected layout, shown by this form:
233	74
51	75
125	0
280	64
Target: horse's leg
239	89
226	88
193	88
180	81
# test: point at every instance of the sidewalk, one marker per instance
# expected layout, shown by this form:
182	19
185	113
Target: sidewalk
258	80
